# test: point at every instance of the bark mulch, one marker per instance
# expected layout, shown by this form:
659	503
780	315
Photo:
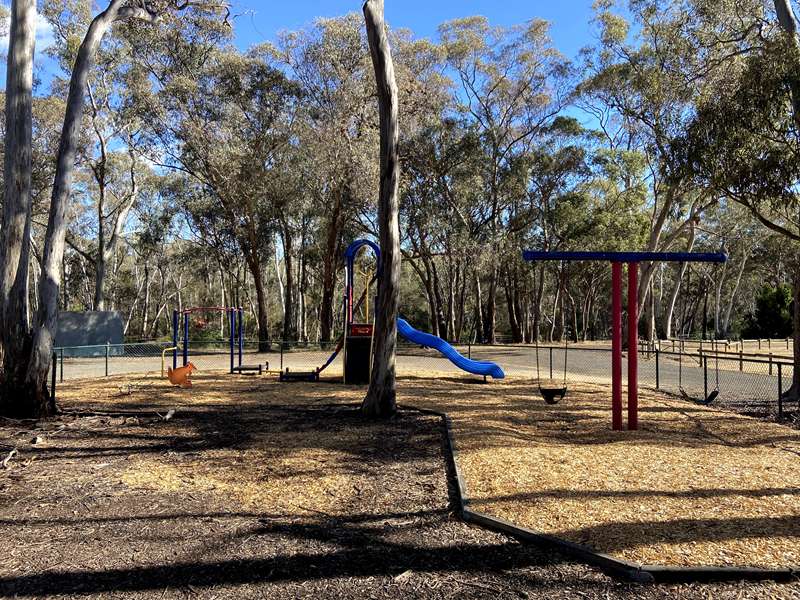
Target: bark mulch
258	489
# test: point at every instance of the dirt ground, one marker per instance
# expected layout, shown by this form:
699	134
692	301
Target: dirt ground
260	489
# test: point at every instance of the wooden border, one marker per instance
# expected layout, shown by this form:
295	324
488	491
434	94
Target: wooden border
615	567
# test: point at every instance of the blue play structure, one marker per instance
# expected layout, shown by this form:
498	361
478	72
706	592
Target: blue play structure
476	367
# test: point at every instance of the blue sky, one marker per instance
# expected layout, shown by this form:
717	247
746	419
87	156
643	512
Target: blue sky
260	20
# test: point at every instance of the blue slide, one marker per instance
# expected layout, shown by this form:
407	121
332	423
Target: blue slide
462	362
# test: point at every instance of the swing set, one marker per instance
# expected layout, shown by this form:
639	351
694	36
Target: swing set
684	394
617	259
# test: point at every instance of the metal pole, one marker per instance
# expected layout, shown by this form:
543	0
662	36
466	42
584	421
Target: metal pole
658	375
551	362
705	376
616	346
185	339
633	346
62	366
232	326
780	392
107	347
240	313
770	363
282	342
175	339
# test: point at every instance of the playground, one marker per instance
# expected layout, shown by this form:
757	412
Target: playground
221	473
247	486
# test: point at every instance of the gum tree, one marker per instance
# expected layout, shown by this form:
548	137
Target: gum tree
27	346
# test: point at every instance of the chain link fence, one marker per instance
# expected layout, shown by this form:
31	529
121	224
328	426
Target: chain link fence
752	386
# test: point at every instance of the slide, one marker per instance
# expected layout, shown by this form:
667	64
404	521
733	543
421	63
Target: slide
462	362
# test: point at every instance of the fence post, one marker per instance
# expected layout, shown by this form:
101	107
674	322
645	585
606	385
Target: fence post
759	343
469	350
741	360
107	348
551	362
62	366
705	376
787	343
770	363
769	343
780	392
658	377
282	342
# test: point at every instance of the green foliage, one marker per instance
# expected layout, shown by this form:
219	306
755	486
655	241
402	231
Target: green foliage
773	314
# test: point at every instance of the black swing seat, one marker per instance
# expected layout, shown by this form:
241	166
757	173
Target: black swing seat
552	394
711	397
289	376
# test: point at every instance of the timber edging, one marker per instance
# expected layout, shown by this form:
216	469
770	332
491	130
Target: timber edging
614	567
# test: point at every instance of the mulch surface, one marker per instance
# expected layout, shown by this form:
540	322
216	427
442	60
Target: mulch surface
259	489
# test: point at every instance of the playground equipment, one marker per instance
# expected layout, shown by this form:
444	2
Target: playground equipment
235	320
359	335
356	341
705	401
182	375
552	392
632	259
164	357
476	367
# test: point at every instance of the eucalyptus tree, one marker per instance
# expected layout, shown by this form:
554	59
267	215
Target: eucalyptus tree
110	169
513	83
743	143
223	118
381	398
27	349
654	61
337	130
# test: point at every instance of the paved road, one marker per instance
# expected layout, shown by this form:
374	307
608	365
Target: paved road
594	366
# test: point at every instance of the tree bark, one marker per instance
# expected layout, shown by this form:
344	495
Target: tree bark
289	331
47	315
330	264
15	333
381	398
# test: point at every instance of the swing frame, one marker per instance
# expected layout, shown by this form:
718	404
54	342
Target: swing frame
632	259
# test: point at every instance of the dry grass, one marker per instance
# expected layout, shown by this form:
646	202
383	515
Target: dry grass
695	486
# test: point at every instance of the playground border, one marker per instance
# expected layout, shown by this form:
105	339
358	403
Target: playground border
614	567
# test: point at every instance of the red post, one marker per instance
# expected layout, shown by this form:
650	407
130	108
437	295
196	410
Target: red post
633	346
616	346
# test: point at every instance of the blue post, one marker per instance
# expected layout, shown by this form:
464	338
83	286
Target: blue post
175	339
241	333
232	324
185	339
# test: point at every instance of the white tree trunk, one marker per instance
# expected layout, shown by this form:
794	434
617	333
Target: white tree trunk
381	398
16	219
47	315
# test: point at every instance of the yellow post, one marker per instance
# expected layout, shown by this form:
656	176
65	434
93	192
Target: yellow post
163	354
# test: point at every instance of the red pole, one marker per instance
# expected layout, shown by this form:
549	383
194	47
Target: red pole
616	346
633	346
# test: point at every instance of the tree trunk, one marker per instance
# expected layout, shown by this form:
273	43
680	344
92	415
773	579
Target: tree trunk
15	333
261	303
381	398
289	332
478	328
673	297
331	263
47	316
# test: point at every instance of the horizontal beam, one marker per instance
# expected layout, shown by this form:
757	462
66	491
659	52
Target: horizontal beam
707	257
